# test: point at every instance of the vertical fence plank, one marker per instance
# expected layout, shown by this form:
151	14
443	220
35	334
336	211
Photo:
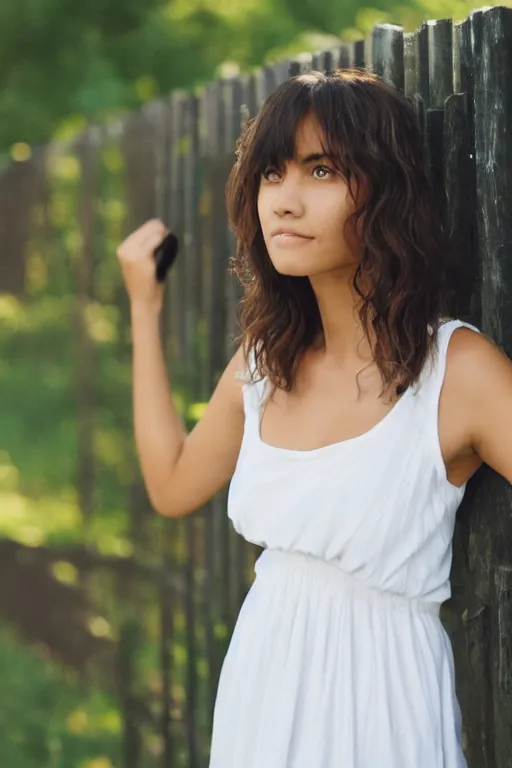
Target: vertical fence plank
251	96
360	54
440	61
165	594
411	74
270	81
388	54
423	87
300	65
492	41
205	244
218	532
438	88
466	613
463	83
233	121
190	288
460	182
346	56
139	189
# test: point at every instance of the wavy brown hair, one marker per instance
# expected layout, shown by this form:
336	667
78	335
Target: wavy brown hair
370	134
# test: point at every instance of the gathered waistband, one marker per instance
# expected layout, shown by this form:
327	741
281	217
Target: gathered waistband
273	560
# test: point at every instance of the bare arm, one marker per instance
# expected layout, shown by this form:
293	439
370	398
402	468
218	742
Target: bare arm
181	472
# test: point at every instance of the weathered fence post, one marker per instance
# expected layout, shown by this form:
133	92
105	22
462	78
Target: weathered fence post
492	58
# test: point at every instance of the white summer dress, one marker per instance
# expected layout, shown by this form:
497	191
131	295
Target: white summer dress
339	658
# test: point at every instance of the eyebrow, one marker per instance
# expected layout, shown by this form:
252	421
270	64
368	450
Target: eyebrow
312	158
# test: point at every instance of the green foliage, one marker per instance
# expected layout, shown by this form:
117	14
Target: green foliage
69	477
62	62
47	718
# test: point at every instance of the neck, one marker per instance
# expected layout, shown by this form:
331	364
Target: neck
343	338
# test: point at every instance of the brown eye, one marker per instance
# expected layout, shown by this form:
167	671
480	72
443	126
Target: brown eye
269	172
324	169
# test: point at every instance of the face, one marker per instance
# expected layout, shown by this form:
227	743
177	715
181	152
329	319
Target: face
303	209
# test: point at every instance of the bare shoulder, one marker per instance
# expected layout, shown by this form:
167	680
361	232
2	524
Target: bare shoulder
238	365
479	382
472	359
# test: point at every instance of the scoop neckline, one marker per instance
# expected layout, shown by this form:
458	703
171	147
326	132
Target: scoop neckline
330	447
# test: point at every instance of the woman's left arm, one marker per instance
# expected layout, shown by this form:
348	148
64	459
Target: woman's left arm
484	373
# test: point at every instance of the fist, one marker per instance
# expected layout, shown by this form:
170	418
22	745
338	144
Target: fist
138	267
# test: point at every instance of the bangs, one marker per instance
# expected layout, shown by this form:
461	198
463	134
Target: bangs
315	95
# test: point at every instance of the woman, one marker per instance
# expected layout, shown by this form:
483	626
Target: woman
349	420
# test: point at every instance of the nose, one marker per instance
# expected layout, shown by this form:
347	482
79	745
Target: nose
288	199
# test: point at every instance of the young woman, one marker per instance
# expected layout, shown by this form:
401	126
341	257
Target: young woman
349	420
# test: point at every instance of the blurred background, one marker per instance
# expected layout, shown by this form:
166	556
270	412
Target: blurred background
113	622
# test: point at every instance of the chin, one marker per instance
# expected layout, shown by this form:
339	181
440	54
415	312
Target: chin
292	272
293	267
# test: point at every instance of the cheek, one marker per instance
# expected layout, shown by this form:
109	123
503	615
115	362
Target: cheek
261	202
260	207
330	221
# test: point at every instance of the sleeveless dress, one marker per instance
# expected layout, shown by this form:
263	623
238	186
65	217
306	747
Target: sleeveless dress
339	658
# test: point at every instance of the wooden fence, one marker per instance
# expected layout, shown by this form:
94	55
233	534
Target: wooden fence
171	592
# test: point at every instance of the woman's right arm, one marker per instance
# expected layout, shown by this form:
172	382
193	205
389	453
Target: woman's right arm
181	471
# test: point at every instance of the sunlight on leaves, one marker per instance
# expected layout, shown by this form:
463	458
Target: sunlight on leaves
64	168
184	145
64	572
9	474
77	720
70	127
113	211
155	744
97	762
205	202
203	668
109	721
180	655
60	210
178	693
220	630
31	536
366	18
73	241
99	626
101	322
179	620
113	161
31	521
145	88
82	721
179	403
230	10
21	152
196	411
37	272
110	447
10	308
109	544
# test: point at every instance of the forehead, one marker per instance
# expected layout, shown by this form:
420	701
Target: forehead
308	138
283	143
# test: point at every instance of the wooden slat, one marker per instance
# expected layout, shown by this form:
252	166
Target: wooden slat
388	54
491	34
440	61
300	65
459	181
411	73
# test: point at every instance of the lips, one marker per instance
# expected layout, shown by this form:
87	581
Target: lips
284	233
